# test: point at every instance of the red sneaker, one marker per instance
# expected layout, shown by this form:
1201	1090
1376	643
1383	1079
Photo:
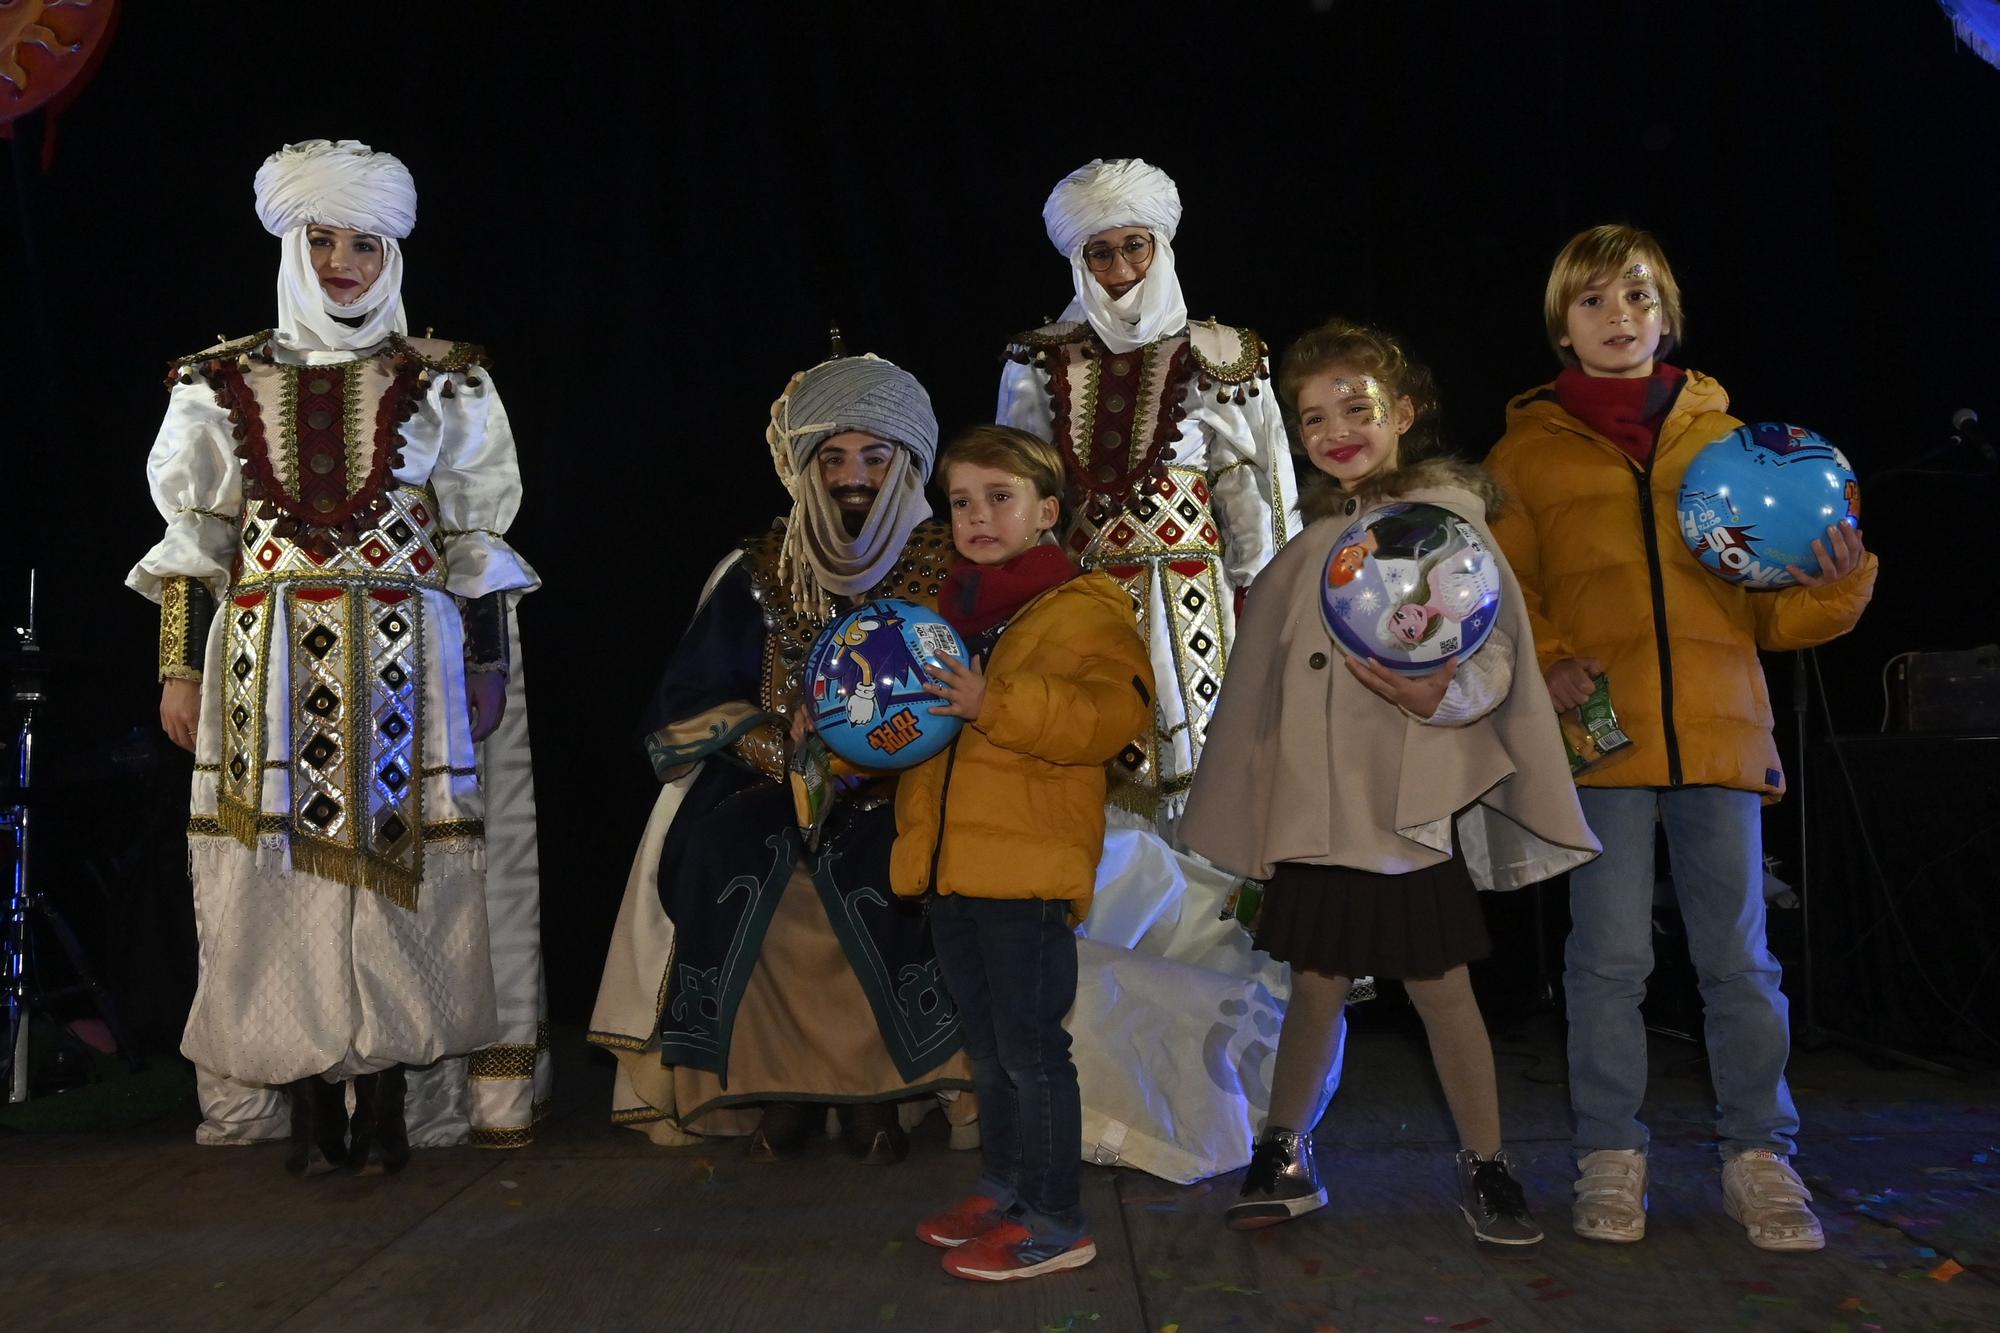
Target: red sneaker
968	1219
1009	1251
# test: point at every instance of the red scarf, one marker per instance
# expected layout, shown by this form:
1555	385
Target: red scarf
975	598
1626	412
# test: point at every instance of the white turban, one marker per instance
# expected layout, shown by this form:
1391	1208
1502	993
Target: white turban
343	184
1124	192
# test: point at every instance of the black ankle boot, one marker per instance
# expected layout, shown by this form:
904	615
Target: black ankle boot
319	1126
873	1133
381	1142
783	1130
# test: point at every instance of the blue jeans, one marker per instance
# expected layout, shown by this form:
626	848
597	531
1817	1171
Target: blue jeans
1715	842
1011	967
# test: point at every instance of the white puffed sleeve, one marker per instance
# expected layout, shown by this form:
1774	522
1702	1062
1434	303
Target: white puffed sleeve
1024	401
1481	684
478	483
197	485
1250	481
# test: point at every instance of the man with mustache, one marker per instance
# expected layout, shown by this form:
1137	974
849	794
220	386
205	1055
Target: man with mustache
750	984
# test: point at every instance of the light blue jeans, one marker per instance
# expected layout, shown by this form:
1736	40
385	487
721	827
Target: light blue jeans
1716	845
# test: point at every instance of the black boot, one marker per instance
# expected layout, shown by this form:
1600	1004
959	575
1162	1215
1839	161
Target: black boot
381	1139
319	1126
873	1133
783	1130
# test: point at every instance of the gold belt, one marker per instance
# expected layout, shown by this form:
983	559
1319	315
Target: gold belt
1170	518
405	548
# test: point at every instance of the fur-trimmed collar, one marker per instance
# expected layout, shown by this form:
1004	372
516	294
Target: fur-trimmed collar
1322	496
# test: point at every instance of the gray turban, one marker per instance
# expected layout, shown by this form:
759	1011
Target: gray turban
862	393
859	393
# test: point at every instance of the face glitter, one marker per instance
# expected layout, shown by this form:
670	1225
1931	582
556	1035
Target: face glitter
1367	386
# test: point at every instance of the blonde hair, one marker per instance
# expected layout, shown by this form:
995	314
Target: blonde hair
1595	255
1006	450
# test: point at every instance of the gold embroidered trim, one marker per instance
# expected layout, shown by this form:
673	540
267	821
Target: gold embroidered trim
615	1041
176	620
203	826
231	347
459	357
504	1060
441	770
638	1115
1249	357
516	1136
1023	347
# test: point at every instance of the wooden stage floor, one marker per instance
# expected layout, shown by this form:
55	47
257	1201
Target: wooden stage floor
593	1227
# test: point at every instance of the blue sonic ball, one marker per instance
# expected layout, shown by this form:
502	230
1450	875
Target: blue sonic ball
1411	586
1756	500
864	684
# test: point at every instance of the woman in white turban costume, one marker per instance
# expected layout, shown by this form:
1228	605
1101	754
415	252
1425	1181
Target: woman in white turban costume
1182	489
338	649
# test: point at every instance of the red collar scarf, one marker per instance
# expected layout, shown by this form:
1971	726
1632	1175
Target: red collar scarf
1626	412
977	598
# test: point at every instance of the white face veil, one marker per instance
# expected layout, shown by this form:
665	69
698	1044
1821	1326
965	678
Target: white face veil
343	184
1124	192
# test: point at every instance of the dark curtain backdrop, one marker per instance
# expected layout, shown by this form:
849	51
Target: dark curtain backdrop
652	212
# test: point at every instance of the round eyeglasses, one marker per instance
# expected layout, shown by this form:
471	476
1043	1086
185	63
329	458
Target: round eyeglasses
1136	251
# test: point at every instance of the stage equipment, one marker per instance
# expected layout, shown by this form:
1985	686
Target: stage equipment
28	907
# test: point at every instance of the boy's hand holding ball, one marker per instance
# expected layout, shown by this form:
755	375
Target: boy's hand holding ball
961	686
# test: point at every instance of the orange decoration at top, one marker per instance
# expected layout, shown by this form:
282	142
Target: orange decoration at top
45	47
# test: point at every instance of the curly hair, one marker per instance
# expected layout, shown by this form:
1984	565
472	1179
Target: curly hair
1373	351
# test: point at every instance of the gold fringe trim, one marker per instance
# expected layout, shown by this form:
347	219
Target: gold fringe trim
1134	799
236	820
342	865
357	870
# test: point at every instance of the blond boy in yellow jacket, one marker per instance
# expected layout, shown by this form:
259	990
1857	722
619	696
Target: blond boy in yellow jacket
1594	463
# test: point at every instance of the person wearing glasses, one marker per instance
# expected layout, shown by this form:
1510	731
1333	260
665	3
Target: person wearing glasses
1180	480
1180	487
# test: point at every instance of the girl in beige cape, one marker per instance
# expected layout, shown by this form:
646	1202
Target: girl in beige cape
1375	804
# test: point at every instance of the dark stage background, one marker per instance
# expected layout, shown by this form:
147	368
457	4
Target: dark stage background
652	212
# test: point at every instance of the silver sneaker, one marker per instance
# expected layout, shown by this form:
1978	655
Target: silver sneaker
1282	1183
1762	1192
1611	1196
1492	1201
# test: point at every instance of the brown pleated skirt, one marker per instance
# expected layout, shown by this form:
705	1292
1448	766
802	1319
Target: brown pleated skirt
1357	923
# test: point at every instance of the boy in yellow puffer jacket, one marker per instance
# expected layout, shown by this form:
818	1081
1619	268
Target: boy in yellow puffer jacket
1594	462
1004	829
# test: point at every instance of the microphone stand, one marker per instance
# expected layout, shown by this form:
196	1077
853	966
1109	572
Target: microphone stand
26	903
